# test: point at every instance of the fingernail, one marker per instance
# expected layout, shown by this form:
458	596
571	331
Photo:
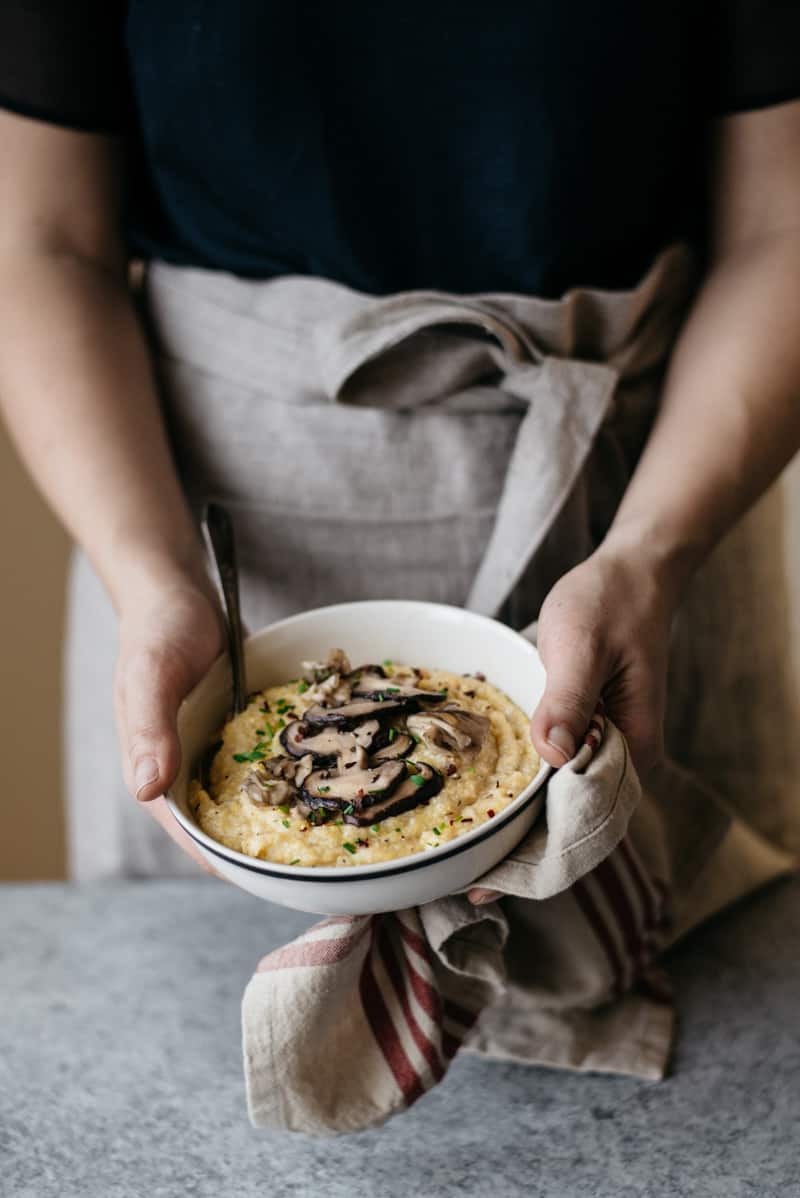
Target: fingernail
146	772
562	740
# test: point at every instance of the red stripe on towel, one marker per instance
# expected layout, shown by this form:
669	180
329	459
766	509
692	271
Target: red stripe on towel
384	1031
637	875
397	970
631	929
598	925
313	952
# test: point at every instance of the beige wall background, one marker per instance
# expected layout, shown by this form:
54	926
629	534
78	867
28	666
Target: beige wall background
35	552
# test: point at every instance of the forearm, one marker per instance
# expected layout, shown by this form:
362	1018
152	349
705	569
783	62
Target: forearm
77	390
729	420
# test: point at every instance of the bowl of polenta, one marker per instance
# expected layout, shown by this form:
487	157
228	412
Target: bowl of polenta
383	758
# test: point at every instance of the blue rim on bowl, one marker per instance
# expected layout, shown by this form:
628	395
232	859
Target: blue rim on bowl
351	873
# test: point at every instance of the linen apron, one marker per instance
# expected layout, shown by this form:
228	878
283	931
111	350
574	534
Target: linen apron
467	450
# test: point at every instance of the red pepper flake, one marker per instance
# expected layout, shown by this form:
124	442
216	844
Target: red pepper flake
363	843
466	819
481	677
451	769
470	694
490	813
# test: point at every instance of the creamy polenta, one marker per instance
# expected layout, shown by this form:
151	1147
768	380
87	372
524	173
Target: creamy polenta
313	773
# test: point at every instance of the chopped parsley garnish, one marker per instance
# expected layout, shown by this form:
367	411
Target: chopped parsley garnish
339	823
388	662
256	754
349	809
392	690
418	779
261	732
294	862
302	687
351	848
470	769
392	734
323	790
284	807
282	705
286	823
436	830
374	828
414	737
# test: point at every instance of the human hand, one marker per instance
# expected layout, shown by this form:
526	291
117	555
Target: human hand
169	636
604	632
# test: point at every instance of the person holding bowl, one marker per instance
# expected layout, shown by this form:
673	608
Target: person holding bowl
499	311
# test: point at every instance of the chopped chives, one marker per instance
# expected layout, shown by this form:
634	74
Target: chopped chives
286	823
302	687
351	848
294	862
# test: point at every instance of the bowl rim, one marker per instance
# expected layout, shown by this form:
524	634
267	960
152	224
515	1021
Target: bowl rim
377	869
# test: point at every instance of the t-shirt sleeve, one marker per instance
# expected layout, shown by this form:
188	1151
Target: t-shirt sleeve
65	62
755	45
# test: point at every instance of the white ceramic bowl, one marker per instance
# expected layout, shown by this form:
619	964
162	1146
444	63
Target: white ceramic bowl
428	634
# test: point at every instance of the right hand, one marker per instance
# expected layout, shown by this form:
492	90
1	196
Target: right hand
169	637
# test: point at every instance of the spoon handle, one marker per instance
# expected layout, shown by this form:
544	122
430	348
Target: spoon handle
218	532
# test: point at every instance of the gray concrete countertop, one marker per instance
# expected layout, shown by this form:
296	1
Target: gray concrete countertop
120	1070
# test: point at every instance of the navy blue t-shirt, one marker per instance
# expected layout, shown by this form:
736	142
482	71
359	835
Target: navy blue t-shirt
519	146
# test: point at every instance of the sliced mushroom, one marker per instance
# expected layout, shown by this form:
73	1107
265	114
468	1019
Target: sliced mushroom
317	671
276	780
451	730
408	794
329	742
303	768
400	746
349	714
353	787
263	790
373	684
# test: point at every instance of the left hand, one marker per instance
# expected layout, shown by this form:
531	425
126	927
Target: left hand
604	631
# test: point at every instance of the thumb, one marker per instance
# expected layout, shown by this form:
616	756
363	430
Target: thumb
576	674
150	685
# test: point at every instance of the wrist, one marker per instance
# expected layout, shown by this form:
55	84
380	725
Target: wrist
146	570
652	548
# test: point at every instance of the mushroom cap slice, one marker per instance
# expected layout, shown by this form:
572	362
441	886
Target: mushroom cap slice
353	787
407	795
375	685
328	742
452	731
393	750
349	714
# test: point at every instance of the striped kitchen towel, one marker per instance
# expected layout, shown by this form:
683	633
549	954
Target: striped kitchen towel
547	960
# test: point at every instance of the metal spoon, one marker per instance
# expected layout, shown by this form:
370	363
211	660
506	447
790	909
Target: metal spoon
218	533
